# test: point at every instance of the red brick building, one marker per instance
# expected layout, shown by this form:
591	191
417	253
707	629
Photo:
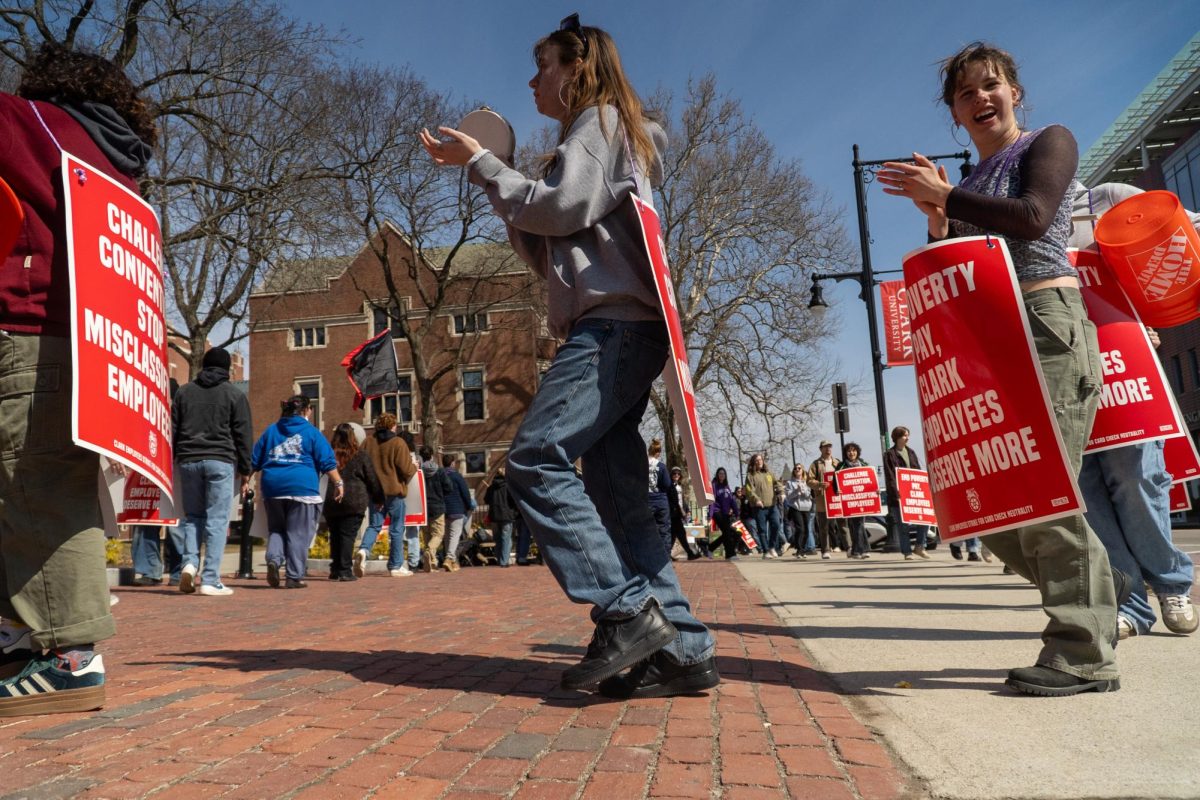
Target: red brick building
487	336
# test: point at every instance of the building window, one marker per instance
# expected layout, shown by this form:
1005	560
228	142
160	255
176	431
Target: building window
472	394
1181	172
312	390
399	404
303	338
470	323
476	463
381	317
1177	374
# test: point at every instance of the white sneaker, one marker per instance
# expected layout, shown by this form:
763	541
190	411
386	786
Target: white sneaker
1178	613
360	561
825	555
220	590
1125	628
187	579
403	572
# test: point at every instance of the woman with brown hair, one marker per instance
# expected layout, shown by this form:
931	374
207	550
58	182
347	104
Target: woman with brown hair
1021	190
344	515
578	227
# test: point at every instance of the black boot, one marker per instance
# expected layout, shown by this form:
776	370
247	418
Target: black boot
618	644
659	676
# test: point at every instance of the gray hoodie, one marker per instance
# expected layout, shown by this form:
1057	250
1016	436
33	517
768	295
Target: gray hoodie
577	227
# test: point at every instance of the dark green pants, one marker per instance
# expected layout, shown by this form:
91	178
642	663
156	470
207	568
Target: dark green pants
52	571
1064	558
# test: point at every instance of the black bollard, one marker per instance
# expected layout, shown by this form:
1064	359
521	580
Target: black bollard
246	547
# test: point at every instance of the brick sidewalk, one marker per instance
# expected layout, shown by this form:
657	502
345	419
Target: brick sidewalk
436	686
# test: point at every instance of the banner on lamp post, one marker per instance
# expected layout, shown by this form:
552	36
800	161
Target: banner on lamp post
996	457
897	328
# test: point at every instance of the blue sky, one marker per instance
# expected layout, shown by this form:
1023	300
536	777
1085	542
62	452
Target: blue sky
817	77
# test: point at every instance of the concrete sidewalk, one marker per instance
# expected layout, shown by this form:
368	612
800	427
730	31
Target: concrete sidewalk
921	650
437	686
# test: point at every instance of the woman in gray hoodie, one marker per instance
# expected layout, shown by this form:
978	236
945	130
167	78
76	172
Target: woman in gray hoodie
577	226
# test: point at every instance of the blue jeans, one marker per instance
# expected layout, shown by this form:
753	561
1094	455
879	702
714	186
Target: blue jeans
503	533
206	499
770	529
147	557
1126	492
524	540
596	533
661	512
394	507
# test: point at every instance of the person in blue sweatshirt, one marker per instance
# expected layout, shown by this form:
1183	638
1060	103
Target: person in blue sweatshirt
291	455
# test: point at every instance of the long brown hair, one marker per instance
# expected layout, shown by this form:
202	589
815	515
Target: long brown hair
345	444
1001	61
599	81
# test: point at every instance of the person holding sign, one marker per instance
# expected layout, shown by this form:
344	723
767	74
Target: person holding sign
896	456
577	225
1126	490
859	546
53	586
1019	190
830	533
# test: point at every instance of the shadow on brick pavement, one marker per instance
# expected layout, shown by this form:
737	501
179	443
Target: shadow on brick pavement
437	686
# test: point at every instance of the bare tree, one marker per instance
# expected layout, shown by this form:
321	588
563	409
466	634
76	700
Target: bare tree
440	221
238	161
744	230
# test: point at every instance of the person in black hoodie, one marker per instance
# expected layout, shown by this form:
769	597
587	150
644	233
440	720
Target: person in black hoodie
361	487
54	599
212	437
503	513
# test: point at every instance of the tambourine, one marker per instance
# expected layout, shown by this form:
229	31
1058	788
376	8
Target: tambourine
12	217
491	131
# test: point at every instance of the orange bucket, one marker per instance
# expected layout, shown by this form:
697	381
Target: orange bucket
1150	244
11	219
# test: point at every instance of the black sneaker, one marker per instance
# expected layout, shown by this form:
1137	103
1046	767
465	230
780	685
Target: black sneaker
618	644
272	575
659	676
292	583
1049	682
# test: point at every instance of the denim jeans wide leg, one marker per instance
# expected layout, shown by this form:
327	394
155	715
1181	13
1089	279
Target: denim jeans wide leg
412	537
503	533
147	553
206	489
396	510
597	534
374	526
1064	558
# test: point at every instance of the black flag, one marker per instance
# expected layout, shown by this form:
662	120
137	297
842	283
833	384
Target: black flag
372	368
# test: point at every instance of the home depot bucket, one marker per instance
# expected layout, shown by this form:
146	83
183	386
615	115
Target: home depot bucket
1149	243
11	218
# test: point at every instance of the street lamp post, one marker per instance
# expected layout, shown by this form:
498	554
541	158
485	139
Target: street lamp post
866	277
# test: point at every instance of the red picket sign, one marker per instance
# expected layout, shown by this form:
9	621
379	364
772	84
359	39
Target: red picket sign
120	406
677	375
414	501
1136	404
1179	498
1183	462
833	501
915	497
140	503
996	457
897	328
858	491
744	532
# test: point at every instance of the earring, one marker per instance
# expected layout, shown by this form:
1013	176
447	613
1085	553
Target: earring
562	99
954	135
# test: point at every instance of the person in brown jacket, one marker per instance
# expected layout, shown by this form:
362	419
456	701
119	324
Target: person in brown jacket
395	466
831	534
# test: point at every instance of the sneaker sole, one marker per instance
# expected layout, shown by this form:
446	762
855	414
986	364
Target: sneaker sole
273	576
1043	691
688	684
359	568
187	583
64	701
645	648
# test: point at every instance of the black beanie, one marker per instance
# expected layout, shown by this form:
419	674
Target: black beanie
217	357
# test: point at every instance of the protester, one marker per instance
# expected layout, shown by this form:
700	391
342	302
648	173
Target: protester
212	437
393	463
437	486
679	515
577	223
859	545
1019	190
344	514
459	505
503	513
830	535
896	456
760	496
1127	492
659	494
54	600
972	546
291	455
412	533
798	503
146	550
722	512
